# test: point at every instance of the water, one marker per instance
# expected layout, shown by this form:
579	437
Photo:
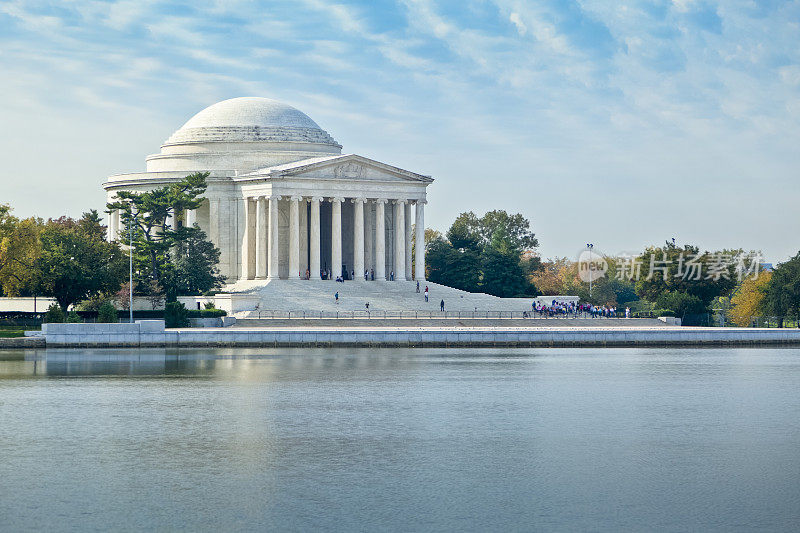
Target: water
403	440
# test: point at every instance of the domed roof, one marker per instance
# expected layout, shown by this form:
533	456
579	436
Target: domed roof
251	119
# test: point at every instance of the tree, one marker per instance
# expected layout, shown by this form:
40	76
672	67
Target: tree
481	254
148	212
75	262
154	293
123	296
782	291
19	248
107	314
176	315
556	277
516	227
54	315
195	270
502	272
455	268
464	233
748	299
685	270
481	230
686	306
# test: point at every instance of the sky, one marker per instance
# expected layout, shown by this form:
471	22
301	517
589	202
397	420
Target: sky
620	123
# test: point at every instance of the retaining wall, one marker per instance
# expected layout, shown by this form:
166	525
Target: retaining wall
152	333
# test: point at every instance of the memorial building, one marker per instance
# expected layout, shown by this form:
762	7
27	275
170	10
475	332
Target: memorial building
283	202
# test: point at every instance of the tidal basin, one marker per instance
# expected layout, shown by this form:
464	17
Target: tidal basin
605	439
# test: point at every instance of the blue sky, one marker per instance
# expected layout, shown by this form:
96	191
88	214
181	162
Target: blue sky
618	123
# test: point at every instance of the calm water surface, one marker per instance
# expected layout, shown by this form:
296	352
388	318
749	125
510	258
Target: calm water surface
403	440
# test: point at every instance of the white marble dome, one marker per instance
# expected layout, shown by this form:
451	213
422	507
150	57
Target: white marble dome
250	119
243	134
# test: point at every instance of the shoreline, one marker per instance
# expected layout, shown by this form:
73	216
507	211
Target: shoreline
151	335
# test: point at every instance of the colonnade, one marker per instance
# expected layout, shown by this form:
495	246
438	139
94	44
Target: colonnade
261	236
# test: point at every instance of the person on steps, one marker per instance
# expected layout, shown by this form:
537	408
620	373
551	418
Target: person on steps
441	306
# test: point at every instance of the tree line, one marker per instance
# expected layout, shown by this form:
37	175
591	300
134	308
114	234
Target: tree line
72	261
496	254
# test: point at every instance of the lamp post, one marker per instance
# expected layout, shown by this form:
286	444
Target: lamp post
131	220
590	246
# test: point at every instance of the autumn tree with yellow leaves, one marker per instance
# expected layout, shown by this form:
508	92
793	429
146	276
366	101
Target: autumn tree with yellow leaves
748	299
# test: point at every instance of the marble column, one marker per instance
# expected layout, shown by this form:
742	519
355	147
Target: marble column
314	244
113	226
408	234
336	237
399	240
272	267
261	238
294	237
380	239
189	218
247	272
358	237
369	236
419	261
213	221
170	221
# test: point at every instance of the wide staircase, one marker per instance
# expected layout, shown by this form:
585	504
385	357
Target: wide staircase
394	298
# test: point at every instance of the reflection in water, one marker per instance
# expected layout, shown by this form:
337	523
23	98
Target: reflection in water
298	439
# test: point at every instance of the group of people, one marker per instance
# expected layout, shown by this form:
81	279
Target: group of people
572	309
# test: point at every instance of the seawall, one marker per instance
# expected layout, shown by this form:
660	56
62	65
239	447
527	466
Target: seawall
152	333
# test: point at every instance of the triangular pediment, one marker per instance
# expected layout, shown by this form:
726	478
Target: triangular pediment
346	167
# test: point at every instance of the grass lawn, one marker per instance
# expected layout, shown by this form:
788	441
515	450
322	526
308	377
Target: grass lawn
9	333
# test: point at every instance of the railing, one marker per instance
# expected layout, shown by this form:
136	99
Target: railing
383	314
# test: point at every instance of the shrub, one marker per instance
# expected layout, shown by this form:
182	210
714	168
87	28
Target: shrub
176	315
54	314
683	304
107	313
663	312
209	305
74	318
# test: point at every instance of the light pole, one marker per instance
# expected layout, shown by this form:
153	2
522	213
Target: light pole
590	246
130	267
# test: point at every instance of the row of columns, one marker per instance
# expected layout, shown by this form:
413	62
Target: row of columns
266	249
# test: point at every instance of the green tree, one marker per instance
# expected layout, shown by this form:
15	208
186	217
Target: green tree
686	306
469	227
195	265
54	315
782	291
686	270
503	274
148	213
481	254
455	268
176	315
464	233
107	313
75	262
19	248
516	227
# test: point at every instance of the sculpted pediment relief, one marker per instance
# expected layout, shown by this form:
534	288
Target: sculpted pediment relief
350	167
349	170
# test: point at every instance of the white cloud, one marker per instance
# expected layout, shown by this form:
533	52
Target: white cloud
516	20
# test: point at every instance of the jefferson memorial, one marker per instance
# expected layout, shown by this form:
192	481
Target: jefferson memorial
283	202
